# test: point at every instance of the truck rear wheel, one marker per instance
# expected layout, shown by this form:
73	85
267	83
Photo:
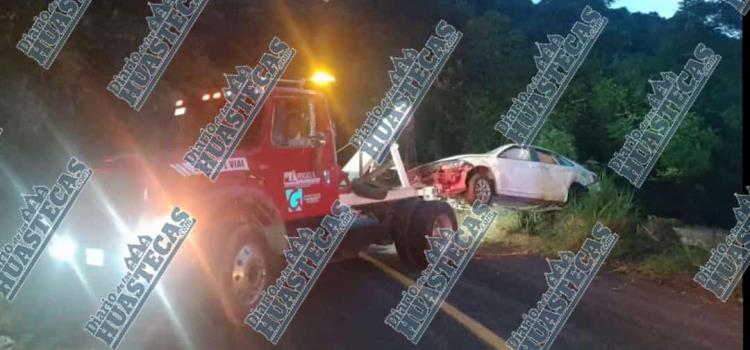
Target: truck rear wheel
400	228
426	220
247	265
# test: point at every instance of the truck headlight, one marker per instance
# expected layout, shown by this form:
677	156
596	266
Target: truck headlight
94	257
62	248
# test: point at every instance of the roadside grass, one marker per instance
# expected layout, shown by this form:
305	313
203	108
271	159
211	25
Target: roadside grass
647	247
551	232
672	262
502	237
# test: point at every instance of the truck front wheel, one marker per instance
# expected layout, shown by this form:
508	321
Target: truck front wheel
247	265
426	220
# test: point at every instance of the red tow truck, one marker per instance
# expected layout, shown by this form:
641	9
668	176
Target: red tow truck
283	176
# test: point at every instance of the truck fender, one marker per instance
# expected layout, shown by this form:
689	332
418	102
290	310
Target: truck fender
235	202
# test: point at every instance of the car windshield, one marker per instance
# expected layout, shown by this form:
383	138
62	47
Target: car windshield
565	162
497	150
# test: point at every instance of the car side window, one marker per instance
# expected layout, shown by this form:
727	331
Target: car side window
516	153
545	158
565	162
293	122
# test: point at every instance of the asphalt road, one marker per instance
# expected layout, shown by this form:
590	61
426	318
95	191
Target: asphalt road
347	307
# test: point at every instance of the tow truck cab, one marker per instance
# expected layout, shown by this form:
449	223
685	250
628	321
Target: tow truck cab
289	153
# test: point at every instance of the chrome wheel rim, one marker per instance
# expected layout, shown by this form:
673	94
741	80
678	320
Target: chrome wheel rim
441	221
483	191
249	273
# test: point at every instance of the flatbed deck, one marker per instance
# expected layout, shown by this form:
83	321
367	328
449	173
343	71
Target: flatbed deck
427	193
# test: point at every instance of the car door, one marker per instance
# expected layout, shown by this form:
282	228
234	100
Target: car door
555	178
518	173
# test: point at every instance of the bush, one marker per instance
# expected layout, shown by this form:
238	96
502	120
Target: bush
566	230
649	244
560	141
611	205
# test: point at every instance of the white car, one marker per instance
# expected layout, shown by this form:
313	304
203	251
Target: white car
531	173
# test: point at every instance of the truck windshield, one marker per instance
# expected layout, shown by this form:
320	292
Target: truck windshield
293	122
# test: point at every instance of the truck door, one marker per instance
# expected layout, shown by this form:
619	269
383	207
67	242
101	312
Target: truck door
301	156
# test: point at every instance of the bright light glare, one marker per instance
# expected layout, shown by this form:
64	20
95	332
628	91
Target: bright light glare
322	78
62	248
179	103
216	95
94	257
180	111
205	97
150	225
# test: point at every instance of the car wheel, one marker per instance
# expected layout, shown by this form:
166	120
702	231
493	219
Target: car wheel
426	221
575	191
479	188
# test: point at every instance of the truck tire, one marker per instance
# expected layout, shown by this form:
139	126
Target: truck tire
246	264
426	219
403	211
479	188
369	189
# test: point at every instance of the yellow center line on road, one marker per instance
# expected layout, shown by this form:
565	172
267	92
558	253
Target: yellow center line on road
482	332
